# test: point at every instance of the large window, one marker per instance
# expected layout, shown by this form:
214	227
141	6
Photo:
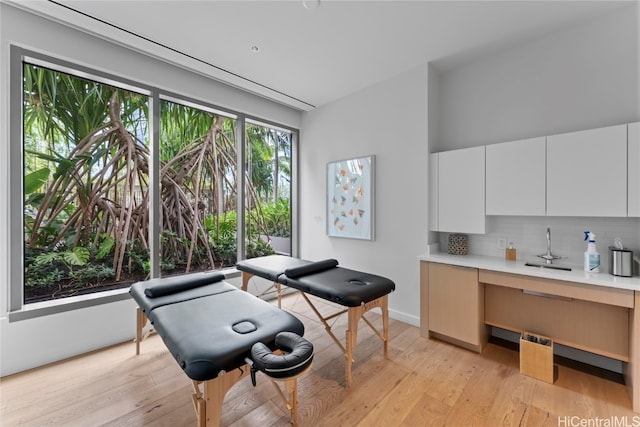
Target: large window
198	189
86	163
268	190
107	201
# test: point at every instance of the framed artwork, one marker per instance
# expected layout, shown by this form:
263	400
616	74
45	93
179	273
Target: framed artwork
350	198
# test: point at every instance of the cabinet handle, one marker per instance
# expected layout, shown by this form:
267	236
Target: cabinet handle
545	295
462	267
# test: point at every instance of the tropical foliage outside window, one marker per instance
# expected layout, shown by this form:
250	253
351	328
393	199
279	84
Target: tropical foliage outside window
267	211
87	186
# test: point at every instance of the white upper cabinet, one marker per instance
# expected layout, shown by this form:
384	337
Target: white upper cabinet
516	177
633	165
461	190
433	192
587	173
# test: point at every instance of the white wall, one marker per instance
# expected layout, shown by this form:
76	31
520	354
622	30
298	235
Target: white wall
28	343
583	77
390	121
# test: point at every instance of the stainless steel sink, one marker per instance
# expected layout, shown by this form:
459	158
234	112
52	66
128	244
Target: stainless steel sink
544	265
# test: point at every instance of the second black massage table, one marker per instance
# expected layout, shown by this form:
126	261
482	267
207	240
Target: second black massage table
219	334
357	291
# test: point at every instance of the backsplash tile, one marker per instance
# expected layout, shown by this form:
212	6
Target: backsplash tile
528	235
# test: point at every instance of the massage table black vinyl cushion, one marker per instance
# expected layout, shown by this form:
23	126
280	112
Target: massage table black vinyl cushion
209	325
197	286
201	337
343	286
271	266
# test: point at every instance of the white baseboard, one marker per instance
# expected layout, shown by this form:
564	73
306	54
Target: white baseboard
406	318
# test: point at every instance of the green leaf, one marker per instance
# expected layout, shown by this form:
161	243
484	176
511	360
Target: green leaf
77	256
106	246
63	164
63	167
35	180
47	258
34	199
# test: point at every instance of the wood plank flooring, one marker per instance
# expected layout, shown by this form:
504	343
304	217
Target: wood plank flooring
422	383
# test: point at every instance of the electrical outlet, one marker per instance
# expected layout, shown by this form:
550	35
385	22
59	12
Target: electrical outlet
502	243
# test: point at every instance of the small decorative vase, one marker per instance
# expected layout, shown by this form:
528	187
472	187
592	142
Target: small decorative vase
458	244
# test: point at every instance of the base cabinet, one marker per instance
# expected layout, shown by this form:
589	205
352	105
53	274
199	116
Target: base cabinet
456	305
459	304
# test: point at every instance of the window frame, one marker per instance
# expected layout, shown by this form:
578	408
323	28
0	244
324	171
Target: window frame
17	309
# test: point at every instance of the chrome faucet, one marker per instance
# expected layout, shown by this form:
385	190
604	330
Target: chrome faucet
548	256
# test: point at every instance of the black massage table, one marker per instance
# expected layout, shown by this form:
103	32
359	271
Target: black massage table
219	334
357	291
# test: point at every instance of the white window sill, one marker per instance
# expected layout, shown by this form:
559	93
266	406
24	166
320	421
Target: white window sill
46	308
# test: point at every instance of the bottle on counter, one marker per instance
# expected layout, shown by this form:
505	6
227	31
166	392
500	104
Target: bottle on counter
510	252
591	255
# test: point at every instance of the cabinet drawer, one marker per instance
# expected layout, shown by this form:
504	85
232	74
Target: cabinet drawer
581	291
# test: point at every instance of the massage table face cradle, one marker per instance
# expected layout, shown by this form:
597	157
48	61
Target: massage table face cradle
358	292
193	321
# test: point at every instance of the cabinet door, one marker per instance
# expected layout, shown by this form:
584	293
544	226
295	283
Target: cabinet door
587	173
461	178
516	177
456	303
633	165
433	192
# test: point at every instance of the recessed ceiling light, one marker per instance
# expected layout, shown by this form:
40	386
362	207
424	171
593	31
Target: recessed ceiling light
254	48
311	4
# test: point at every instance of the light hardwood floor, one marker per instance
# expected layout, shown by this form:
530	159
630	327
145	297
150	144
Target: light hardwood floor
422	383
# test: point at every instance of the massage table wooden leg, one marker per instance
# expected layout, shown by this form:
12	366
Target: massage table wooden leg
291	399
245	285
245	280
141	320
351	335
292	390
199	404
324	319
383	304
208	403
385	325
357	313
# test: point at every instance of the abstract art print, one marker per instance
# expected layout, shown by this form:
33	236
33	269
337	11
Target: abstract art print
350	201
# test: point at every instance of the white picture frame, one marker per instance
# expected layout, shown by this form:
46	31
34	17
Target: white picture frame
350	198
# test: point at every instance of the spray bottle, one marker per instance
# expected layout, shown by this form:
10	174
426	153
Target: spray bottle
591	255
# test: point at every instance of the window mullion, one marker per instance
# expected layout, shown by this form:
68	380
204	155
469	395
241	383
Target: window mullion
241	186
155	184
16	193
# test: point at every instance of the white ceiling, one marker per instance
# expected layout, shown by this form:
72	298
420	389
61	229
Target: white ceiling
311	55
